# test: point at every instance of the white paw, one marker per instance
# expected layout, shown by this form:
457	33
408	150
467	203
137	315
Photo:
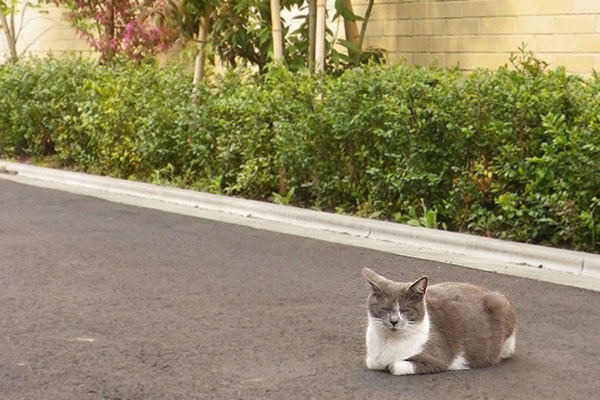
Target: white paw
402	368
508	348
372	363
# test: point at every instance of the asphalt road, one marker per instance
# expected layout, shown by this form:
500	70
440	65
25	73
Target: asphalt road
104	301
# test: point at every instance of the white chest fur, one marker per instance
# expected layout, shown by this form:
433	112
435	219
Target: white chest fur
385	347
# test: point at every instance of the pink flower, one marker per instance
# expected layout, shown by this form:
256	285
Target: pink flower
130	33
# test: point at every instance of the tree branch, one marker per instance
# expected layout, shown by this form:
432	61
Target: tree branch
363	28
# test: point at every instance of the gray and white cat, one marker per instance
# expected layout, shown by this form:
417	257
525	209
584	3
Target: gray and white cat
414	329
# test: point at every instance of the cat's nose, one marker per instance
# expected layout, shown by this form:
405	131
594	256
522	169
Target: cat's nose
393	322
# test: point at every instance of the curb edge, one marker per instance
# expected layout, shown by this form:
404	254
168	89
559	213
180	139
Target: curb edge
448	246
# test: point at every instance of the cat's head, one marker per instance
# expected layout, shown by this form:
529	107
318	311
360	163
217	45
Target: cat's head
395	305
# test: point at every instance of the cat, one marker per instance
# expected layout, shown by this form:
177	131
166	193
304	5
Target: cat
414	329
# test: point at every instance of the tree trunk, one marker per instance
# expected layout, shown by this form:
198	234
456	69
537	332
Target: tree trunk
320	37
276	28
10	37
351	29
202	39
109	32
312	29
110	17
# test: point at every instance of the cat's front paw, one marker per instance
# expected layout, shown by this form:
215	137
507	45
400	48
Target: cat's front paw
401	368
373	363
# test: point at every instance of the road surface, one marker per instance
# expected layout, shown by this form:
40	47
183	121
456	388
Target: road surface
100	300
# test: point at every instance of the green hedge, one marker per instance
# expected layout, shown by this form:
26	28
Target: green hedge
513	154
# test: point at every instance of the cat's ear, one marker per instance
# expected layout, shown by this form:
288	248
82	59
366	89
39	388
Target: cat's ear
374	279
419	286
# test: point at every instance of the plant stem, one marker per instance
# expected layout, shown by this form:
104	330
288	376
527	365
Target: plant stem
276	29
9	36
202	39
320	38
363	28
312	26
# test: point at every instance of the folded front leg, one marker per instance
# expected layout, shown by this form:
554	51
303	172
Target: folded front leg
402	368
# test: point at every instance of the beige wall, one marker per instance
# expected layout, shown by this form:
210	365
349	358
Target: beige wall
483	33
43	32
47	31
471	33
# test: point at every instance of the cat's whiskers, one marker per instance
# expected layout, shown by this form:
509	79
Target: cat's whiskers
411	327
375	321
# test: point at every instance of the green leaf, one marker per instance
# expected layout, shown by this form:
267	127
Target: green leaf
349	45
342	10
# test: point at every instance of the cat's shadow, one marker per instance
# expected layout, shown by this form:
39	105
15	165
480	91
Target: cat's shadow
514	365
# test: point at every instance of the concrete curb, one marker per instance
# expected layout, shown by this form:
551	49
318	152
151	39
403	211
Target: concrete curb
472	251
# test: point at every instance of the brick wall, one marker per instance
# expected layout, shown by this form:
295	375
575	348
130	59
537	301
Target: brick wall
483	33
48	31
44	32
470	33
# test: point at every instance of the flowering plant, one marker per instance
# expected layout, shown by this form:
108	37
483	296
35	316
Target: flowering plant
135	28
